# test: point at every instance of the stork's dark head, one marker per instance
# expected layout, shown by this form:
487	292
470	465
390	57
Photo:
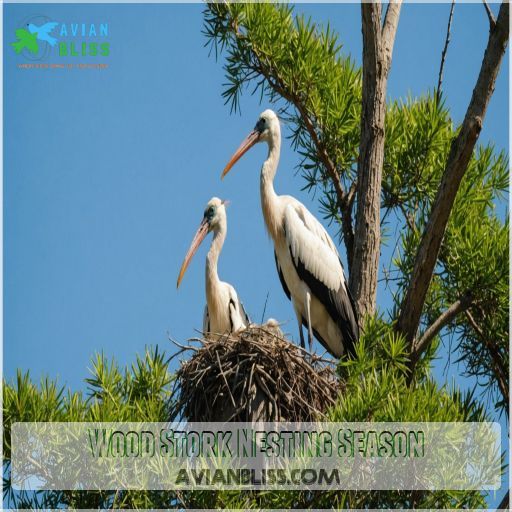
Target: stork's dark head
267	129
214	219
215	213
266	126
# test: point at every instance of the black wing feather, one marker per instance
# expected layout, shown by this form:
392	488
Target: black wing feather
245	315
207	319
316	334
231	323
339	305
281	278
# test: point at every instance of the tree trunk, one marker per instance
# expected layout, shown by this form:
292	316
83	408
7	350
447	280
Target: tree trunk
377	51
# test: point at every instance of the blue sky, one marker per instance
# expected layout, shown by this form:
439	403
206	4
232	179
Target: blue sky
106	174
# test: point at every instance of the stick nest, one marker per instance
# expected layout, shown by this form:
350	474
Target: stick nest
253	375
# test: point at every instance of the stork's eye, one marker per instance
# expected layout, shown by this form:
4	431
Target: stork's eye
261	125
209	212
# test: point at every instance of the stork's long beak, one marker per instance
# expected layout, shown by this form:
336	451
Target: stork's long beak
196	242
247	144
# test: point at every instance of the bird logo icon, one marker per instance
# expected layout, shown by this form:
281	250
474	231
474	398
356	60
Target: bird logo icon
35	37
43	32
26	40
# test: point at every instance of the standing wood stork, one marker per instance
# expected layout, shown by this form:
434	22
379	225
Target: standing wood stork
308	264
223	311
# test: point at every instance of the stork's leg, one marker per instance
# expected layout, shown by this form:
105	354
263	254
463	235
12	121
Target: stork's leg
299	322
308	313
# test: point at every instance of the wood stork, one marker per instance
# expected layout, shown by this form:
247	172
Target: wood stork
308	264
223	311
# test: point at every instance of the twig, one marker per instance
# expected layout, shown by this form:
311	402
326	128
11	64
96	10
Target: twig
351	195
444	319
264	307
490	15
497	360
407	217
443	54
504	505
182	347
225	380
263	387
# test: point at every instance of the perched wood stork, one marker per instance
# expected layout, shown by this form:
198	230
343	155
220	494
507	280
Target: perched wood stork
308	264
223	311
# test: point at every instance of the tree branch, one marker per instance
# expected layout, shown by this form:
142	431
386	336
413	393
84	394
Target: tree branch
377	51
443	53
389	28
444	319
348	233
504	505
351	194
490	15
458	159
499	371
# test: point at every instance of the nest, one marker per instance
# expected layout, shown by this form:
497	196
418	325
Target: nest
253	375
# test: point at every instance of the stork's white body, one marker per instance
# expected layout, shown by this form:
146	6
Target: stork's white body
324	260
307	260
223	312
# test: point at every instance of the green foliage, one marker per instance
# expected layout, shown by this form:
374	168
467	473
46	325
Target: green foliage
418	133
377	384
140	392
376	389
474	260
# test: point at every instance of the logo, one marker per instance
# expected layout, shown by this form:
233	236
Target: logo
34	38
39	37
